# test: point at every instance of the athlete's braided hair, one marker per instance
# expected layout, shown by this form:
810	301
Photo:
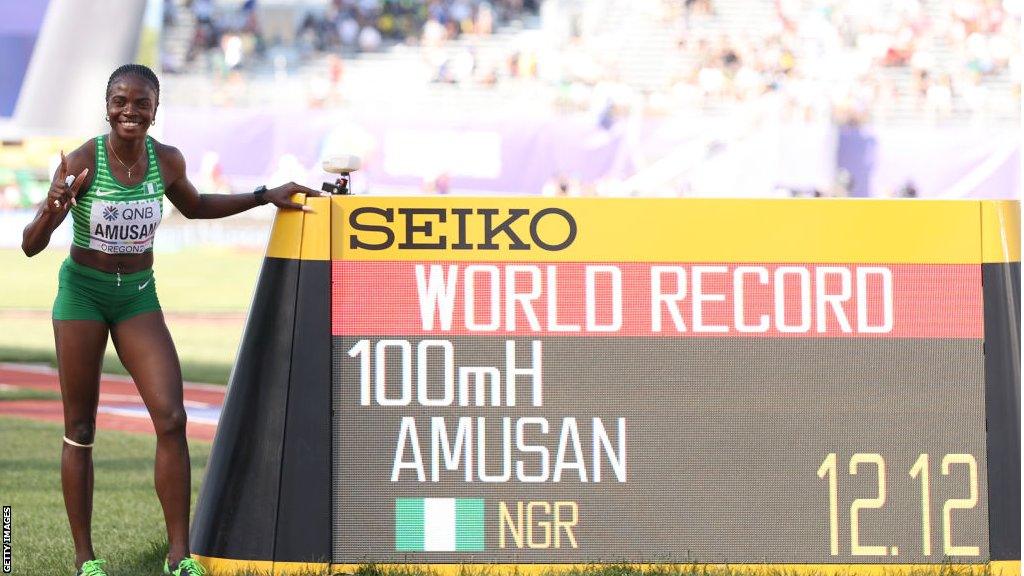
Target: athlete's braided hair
135	70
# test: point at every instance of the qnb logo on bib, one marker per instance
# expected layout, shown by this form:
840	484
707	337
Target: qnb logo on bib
123	227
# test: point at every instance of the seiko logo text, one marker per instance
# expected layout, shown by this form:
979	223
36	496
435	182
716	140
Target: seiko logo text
550	229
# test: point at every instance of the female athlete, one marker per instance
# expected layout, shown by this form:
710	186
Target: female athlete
114	185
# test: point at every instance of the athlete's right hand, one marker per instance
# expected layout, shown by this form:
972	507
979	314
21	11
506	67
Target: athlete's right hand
62	194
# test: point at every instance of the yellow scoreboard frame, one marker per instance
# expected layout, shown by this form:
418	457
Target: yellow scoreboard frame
269	501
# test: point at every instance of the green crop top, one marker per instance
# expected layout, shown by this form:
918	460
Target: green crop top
117	219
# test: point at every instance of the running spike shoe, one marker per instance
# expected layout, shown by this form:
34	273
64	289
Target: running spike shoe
186	567
92	568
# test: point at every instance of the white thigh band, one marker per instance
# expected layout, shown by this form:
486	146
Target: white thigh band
70	442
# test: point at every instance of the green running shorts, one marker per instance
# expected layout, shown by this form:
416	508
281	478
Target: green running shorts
84	293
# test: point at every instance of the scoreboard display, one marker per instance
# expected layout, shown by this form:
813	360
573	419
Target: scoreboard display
640	380
541	383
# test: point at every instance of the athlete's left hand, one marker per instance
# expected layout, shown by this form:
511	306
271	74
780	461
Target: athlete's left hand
282	196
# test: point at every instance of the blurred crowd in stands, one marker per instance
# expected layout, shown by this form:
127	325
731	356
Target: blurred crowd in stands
857	59
233	36
364	24
853	61
850	60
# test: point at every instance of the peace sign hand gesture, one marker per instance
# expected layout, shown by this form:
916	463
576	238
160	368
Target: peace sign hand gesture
64	188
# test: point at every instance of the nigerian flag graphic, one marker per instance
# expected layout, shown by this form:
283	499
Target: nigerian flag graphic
439	524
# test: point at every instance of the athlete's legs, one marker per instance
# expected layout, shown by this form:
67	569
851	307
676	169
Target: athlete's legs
146	350
80	346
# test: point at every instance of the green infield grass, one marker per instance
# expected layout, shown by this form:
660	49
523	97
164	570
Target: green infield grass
205	294
128	526
193	280
8	392
206	348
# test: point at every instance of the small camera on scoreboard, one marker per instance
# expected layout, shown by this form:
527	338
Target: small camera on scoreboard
343	166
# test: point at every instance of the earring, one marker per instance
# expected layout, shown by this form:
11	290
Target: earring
153	122
108	118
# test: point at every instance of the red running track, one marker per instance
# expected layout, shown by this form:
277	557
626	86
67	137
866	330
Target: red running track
120	406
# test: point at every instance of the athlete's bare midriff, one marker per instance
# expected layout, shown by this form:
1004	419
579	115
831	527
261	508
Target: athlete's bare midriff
123	263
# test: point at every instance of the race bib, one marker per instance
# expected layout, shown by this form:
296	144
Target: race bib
124	227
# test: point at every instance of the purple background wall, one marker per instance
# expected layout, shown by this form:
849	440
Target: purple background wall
516	154
934	159
20	21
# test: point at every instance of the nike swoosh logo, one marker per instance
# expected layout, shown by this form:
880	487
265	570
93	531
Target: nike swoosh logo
105	192
144	284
